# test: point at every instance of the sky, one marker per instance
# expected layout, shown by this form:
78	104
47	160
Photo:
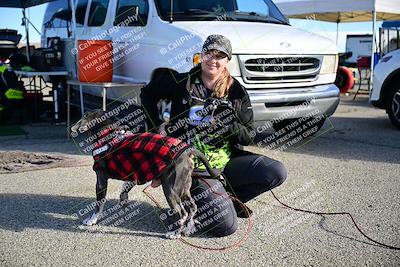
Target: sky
12	17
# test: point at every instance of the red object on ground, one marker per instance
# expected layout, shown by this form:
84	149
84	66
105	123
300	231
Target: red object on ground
364	62
344	79
95	60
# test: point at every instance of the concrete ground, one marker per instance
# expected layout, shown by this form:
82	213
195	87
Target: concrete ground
352	165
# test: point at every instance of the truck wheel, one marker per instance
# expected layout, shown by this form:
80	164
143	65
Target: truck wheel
393	107
304	127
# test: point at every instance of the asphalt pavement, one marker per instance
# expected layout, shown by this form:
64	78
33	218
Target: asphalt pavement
351	165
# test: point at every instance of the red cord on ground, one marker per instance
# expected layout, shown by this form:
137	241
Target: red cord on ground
250	223
337	213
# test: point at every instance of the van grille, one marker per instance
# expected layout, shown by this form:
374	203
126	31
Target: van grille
280	69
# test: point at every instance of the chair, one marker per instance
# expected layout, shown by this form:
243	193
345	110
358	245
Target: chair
363	66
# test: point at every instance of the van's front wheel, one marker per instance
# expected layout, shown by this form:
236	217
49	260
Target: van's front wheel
393	107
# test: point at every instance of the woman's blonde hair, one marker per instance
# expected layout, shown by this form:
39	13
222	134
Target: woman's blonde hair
222	85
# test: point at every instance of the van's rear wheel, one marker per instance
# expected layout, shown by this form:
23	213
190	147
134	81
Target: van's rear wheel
393	108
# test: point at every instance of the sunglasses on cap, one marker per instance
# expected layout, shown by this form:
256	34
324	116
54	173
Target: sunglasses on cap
215	54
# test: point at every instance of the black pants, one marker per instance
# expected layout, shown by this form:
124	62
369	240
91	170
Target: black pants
215	210
251	175
247	176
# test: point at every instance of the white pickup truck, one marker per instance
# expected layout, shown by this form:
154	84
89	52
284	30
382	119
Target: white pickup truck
288	73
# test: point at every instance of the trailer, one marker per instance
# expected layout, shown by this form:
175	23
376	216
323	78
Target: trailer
360	45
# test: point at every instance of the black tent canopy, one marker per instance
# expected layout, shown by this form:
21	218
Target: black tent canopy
22	3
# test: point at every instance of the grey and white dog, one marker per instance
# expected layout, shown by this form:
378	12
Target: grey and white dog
176	181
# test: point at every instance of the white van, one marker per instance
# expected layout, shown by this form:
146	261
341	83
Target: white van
288	73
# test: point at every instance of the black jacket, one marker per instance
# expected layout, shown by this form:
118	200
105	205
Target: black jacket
172	86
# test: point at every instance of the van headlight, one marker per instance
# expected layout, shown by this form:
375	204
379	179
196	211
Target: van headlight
196	59
329	64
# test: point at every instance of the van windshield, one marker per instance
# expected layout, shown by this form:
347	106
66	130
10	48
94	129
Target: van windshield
234	10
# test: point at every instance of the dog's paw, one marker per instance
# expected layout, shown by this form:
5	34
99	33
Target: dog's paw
91	221
190	227
189	230
181	222
173	235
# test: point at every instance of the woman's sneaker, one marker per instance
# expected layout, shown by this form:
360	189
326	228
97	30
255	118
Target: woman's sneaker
242	210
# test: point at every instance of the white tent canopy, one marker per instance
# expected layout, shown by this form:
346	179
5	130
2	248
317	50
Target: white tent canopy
341	10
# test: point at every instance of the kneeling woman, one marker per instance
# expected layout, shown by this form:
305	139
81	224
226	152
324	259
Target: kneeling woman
211	111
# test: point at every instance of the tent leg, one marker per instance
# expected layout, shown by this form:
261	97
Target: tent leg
372	52
73	26
28	52
337	33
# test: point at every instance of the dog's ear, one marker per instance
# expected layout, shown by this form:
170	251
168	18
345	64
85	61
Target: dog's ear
88	114
98	113
99	120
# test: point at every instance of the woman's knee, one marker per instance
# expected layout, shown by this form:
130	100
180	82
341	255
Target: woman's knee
216	212
273	172
221	218
279	172
223	230
227	225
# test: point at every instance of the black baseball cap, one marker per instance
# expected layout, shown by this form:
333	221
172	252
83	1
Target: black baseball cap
218	42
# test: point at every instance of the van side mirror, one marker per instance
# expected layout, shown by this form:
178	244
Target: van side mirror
287	20
127	16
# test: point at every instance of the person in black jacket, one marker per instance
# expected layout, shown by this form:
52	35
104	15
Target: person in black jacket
212	111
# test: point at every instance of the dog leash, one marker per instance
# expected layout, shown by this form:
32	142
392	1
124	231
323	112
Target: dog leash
337	213
221	249
250	223
237	244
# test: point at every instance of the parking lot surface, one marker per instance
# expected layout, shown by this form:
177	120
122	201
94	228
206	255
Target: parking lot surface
351	165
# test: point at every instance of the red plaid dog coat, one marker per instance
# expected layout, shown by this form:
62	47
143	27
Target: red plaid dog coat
139	158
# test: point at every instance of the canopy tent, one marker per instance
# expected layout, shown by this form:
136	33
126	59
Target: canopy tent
30	3
23	4
343	11
391	24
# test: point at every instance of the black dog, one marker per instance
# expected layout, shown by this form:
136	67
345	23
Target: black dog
138	159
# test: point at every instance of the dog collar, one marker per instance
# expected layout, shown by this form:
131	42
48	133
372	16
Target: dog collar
117	136
99	150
